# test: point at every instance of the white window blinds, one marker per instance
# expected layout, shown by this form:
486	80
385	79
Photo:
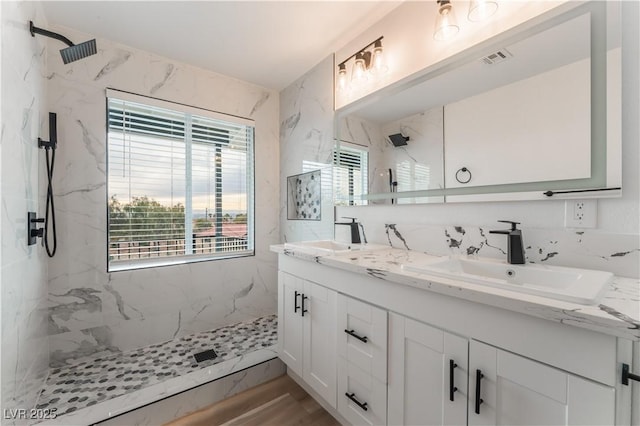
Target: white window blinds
350	174
180	183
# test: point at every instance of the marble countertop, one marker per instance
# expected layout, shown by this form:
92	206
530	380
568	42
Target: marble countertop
618	313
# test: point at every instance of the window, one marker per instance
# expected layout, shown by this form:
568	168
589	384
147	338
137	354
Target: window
350	174
180	183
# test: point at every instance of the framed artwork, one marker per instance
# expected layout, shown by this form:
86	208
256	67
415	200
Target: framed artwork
304	196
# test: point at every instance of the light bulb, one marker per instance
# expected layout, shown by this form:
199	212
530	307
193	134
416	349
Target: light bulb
446	24
378	65
480	10
342	77
359	75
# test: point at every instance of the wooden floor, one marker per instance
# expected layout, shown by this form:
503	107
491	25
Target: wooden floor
277	402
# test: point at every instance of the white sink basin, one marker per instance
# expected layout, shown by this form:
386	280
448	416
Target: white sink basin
582	286
329	246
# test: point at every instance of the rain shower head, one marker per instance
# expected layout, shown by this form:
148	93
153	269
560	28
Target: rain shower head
78	51
69	54
398	139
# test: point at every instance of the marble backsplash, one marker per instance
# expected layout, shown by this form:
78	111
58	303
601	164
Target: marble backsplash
93	312
402	227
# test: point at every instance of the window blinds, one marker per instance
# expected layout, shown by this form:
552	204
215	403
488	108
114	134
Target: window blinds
180	183
350	174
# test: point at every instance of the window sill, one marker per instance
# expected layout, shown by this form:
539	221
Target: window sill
125	265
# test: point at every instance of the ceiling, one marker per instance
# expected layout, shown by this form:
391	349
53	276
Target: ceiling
269	43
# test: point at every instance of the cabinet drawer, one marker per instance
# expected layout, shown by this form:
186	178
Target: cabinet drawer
362	399
362	336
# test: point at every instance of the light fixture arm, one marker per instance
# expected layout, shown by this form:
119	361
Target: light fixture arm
367	58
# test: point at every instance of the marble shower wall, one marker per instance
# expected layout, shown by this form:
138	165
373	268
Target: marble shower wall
23	269
93	312
306	144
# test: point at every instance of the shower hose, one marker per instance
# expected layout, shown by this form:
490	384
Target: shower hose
50	212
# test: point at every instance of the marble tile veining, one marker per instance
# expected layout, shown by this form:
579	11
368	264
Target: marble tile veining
93	312
86	384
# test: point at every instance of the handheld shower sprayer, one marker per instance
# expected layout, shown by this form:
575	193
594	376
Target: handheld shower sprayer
393	185
69	54
50	215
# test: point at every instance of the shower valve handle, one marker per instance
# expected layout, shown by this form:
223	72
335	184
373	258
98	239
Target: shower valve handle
37	233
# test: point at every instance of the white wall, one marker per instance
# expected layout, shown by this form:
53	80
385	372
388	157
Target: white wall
306	144
23	269
92	311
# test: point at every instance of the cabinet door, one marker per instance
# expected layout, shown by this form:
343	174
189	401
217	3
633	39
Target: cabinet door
362	336
320	340
518	391
290	324
419	374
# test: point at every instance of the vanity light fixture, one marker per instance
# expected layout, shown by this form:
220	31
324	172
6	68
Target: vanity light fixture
446	23
359	72
378	65
479	10
366	63
342	76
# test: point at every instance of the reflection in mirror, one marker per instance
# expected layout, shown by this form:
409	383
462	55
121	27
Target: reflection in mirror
535	128
523	115
415	166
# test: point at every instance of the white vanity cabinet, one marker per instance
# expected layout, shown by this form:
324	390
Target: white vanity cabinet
307	332
427	374
512	390
429	370
424	351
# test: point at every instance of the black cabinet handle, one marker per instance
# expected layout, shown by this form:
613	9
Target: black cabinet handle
352	397
295	302
479	400
352	333
452	388
303	308
626	375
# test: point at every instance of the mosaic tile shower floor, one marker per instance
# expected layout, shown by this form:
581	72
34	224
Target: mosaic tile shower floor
88	383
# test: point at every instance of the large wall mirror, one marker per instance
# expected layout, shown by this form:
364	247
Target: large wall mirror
532	114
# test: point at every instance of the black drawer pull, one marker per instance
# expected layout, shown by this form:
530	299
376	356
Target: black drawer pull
303	308
479	400
295	301
626	375
353	334
452	388
352	397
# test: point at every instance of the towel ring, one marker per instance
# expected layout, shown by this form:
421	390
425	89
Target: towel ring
460	175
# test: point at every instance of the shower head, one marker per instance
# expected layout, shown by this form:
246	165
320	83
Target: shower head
69	54
78	51
398	139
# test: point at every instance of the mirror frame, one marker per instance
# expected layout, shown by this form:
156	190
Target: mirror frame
606	140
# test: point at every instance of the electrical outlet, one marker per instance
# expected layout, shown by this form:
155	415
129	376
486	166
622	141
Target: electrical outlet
580	213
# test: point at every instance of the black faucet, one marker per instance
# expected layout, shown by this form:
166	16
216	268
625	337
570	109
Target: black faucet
515	247
355	229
